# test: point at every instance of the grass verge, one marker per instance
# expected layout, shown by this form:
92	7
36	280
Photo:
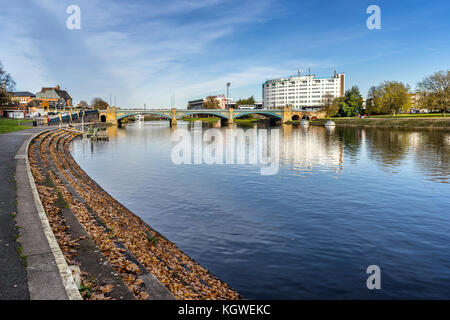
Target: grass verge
412	115
10	125
389	122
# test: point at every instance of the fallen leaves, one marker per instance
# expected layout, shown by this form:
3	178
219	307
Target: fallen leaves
106	289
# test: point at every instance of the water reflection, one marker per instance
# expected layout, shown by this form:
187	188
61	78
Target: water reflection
308	149
427	151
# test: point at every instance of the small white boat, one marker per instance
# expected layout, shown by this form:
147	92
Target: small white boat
304	122
330	123
139	117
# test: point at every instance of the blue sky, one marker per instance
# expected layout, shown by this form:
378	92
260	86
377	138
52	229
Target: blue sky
147	51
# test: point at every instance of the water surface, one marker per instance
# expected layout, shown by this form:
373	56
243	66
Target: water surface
342	200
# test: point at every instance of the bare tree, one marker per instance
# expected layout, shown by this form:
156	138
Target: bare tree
435	91
99	104
7	84
83	105
329	106
211	103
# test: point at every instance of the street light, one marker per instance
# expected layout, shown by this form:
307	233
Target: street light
228	93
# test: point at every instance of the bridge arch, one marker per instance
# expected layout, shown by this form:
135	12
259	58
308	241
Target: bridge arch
160	114
270	115
295	117
220	115
103	118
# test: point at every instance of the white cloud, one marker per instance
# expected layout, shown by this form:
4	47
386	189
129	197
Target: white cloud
157	52
141	52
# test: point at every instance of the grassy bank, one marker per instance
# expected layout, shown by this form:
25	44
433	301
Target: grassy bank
412	115
11	125
391	122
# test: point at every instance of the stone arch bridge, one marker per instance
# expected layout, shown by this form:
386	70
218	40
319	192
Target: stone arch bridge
114	115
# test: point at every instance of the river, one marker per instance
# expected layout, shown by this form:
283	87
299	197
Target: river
334	202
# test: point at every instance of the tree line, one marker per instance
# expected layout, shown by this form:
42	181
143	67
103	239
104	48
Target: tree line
392	97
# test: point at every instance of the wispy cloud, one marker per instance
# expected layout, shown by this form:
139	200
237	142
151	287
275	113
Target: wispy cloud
143	51
125	48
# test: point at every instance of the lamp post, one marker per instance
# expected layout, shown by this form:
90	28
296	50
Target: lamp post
228	93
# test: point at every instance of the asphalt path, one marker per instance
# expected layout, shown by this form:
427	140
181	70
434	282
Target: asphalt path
13	275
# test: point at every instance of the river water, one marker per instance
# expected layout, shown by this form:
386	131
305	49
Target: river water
330	204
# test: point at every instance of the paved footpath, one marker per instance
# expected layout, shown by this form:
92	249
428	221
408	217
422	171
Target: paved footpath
41	277
13	277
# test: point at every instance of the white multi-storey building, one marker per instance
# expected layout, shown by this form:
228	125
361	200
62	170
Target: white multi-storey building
302	92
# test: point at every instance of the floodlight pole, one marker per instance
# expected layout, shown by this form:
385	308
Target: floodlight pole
228	93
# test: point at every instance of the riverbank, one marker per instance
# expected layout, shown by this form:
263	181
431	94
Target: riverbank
91	227
408	122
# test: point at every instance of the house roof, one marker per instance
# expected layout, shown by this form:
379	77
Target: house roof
23	94
63	94
54	93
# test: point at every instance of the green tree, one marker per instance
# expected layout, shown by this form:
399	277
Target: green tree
373	103
435	91
354	100
395	97
211	103
351	103
389	97
7	84
243	102
99	104
344	109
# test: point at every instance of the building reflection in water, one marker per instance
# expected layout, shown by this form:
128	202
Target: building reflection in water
311	148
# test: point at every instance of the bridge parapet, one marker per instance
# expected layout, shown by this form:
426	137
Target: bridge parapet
113	115
109	115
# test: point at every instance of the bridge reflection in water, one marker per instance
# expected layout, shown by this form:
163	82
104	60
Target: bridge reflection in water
301	149
318	148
